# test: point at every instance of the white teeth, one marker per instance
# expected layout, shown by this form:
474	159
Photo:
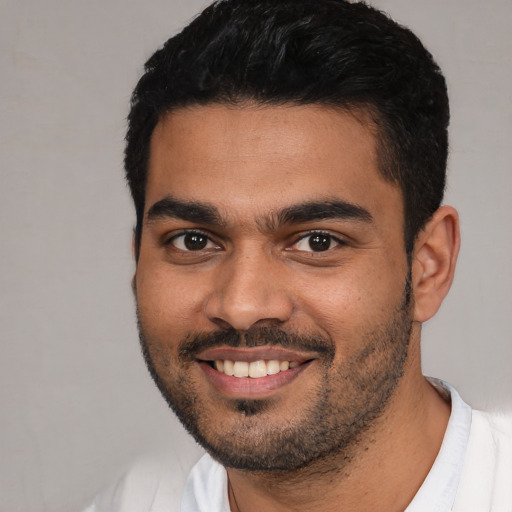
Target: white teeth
254	369
273	367
257	369
241	369
229	367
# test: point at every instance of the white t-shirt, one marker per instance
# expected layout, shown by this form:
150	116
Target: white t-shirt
472	473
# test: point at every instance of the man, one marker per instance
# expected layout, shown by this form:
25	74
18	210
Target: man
287	162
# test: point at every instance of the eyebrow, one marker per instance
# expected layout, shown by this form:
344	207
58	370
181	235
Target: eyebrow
203	213
191	211
318	210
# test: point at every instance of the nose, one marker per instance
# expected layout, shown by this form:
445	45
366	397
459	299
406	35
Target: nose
248	291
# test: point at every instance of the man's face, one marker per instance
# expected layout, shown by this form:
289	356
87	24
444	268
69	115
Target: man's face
272	247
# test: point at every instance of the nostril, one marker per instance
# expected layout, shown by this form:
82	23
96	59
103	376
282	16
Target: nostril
242	303
219	322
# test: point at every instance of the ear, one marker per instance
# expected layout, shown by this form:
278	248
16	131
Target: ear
433	262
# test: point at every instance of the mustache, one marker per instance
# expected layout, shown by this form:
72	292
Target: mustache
255	337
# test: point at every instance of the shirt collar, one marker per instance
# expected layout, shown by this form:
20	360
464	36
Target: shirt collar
437	493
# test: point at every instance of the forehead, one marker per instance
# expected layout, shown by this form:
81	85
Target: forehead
259	157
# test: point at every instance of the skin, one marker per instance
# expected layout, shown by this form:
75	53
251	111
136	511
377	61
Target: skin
245	162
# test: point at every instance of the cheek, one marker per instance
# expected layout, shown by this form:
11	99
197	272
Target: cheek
167	303
350	302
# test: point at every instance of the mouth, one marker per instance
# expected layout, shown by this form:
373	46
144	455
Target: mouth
253	369
252	373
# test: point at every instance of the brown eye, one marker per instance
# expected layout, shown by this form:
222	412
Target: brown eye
319	243
195	241
192	241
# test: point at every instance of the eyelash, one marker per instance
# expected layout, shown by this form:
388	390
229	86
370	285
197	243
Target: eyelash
332	239
189	232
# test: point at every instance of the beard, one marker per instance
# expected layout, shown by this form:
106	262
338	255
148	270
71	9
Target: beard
254	435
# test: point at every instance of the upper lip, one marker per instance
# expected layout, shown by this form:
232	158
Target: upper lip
253	354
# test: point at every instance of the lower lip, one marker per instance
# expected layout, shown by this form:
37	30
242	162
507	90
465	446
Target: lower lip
248	387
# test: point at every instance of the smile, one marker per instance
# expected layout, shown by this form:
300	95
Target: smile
252	373
254	369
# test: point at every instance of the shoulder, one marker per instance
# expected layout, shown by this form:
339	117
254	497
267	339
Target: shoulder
486	481
491	435
152	484
206	488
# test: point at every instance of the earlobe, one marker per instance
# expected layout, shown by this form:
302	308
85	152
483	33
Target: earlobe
433	263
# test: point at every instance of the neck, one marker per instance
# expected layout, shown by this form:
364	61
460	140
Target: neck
382	471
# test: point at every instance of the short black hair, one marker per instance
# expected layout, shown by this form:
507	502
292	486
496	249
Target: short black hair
328	52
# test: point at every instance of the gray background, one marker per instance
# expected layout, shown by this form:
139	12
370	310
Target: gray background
76	402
